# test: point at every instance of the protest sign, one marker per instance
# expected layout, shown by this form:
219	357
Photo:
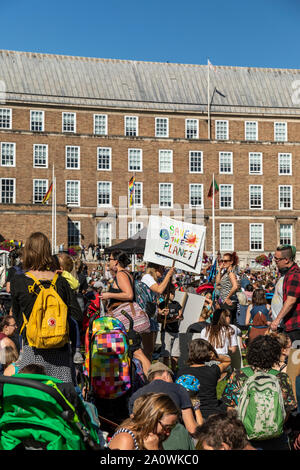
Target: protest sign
173	241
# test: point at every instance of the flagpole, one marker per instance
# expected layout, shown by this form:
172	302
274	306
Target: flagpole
52	212
55	250
134	221
208	101
213	220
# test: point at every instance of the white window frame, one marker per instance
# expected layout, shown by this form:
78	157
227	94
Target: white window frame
291	197
157	134
66	157
77	204
279	123
105	124
200	156
131	224
42	120
280	154
109	226
187	130
171	198
75	223
230	154
109	184
261	196
222	247
35	180
13	165
69	131
250	239
221	186
14	190
199	206
10	118
134	204
256	130
217	130
137	126
106	149
282	242
140	168
46	156
161	153
251	172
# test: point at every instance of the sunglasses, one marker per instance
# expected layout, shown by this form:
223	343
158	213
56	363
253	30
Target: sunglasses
224	260
167	427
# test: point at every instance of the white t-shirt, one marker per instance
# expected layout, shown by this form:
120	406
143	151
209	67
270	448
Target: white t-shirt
226	343
148	280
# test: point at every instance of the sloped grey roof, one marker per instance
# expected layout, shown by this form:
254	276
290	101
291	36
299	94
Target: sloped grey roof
79	81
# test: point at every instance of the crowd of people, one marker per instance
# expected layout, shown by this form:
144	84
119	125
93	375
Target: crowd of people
243	341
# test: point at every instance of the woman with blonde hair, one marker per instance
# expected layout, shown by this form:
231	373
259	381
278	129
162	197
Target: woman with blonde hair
39	263
154	417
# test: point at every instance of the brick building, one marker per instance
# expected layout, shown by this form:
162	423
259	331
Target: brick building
98	122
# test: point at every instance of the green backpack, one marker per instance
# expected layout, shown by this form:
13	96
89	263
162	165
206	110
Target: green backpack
261	407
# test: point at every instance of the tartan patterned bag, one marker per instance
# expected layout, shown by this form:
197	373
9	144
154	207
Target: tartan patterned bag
110	361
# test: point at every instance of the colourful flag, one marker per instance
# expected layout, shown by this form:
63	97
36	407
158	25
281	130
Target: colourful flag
210	192
131	185
48	194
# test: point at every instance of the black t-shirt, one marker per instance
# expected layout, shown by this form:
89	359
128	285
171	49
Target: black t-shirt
176	392
208	377
174	308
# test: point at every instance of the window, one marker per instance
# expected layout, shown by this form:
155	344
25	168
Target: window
222	130
226	196
131	125
73	233
255	196
256	237
8	154
166	161
196	195
196	161
40	187
5	118
37	121
137	195
104	158
226	237
8	188
161	127
134	227
284	163
280	131
104	193
135	160
104	234
225	162
251	130
255	163
285	234
72	158
40	156
165	195
285	197
68	122
100	124
73	193
191	128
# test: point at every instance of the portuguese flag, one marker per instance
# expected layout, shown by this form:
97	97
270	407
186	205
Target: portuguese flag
210	192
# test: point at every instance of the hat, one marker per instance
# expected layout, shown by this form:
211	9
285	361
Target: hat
205	287
189	382
159	367
97	284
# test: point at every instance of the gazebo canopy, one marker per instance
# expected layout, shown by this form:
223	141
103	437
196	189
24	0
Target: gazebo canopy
134	245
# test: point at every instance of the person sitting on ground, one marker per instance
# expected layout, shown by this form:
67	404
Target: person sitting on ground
206	366
160	378
263	354
258	315
11	357
220	334
286	345
223	431
8	328
152	421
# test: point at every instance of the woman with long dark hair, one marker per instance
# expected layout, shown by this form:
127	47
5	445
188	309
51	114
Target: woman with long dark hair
220	334
226	282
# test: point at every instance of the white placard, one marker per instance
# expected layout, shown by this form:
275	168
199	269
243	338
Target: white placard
169	240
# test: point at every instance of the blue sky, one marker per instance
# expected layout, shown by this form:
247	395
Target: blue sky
256	33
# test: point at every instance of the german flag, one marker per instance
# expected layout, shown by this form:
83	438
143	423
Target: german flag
48	194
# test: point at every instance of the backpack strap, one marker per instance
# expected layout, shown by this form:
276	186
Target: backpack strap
273	372
248	371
